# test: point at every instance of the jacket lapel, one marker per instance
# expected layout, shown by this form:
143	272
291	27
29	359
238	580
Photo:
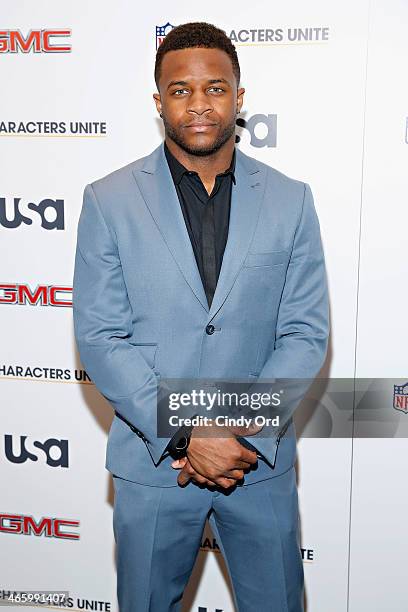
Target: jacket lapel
246	199
157	188
159	193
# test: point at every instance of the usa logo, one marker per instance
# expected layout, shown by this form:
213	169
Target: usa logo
161	33
401	397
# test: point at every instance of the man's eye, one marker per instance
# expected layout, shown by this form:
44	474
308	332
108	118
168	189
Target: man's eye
176	92
217	88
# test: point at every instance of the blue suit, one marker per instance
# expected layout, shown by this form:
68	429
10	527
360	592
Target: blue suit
140	313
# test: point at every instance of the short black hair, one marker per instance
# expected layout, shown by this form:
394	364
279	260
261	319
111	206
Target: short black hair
196	34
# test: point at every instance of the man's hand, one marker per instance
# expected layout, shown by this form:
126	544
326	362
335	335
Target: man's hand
188	473
216	455
245	431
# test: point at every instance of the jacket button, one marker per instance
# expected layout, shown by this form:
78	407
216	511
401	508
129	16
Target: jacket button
210	329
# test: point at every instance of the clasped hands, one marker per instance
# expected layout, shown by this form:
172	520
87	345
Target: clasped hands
215	457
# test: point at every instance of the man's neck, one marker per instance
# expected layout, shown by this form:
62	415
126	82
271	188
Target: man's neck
208	166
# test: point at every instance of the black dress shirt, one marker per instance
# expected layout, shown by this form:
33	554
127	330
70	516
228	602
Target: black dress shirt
206	217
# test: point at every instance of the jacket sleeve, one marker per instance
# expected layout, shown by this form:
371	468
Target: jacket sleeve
302	328
103	324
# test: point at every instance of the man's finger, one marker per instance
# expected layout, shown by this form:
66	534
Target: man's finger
179	463
197	476
235	474
202	480
189	473
225	483
248	455
183	477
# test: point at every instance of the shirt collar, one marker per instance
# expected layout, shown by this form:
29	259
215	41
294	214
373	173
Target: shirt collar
178	170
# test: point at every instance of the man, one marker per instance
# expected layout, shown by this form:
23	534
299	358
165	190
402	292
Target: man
199	262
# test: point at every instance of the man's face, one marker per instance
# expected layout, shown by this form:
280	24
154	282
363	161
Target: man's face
198	99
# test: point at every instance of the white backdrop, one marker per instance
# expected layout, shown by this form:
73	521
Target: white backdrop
335	116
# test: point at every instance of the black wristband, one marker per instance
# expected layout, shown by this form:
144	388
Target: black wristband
181	440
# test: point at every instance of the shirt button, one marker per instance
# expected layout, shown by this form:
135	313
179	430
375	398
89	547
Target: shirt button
210	329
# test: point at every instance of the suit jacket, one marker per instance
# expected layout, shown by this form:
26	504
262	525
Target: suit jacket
140	310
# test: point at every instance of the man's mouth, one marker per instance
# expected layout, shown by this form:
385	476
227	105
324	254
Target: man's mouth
200	126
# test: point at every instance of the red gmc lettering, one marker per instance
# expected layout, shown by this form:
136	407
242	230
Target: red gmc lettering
9	293
17	41
54	300
14	523
27	525
24	294
39	41
58	523
42	295
49	48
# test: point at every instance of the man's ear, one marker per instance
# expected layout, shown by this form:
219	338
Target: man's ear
157	100
240	98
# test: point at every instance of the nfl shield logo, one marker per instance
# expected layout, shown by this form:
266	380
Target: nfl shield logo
161	32
401	397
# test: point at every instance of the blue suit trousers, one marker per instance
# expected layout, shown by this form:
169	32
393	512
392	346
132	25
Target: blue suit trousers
158	532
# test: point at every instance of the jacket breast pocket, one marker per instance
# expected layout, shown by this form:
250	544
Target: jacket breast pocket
269	258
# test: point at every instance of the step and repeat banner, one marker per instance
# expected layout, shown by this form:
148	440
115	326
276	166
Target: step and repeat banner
325	103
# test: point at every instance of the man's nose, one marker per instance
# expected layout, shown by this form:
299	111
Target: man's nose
199	103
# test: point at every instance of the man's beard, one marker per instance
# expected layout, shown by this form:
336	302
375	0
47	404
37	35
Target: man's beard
221	139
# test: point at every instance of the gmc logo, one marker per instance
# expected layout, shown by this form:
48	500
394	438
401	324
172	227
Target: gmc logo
43	295
39	41
27	525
